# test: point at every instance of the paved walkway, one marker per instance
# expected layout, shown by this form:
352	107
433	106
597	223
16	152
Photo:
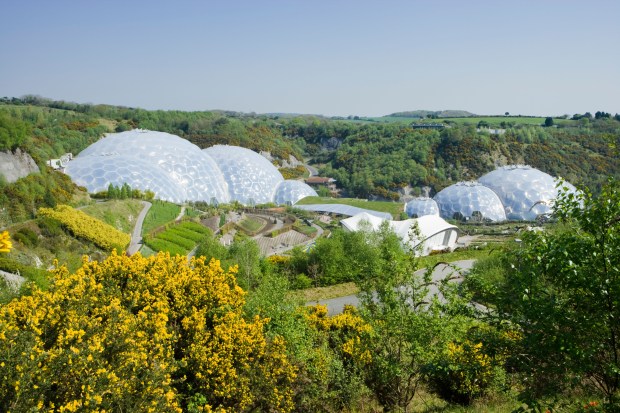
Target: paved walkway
455	269
136	235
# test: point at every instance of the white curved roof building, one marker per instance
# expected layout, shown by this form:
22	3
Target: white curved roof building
434	232
526	192
418	207
465	200
177	170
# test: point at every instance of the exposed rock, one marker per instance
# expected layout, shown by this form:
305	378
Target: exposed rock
15	165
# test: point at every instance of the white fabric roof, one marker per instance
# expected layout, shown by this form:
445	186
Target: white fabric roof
428	225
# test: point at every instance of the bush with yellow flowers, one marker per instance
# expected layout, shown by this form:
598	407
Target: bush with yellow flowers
140	334
84	226
5	242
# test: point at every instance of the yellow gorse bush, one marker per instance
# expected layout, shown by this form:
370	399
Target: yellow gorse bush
84	226
5	242
348	328
140	334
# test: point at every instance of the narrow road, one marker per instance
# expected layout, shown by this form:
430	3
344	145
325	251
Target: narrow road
136	235
456	270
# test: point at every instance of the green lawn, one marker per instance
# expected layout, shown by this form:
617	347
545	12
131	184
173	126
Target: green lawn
160	213
121	214
251	225
394	208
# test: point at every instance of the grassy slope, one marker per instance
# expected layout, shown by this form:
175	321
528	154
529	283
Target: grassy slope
121	214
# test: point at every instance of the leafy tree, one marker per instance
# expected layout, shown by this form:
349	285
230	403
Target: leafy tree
408	325
548	121
562	289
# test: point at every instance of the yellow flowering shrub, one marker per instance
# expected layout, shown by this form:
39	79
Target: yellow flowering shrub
347	331
5	242
84	226
140	334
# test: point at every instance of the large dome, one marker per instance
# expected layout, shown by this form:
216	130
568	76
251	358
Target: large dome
191	169
525	191
178	171
251	178
96	173
465	200
289	192
419	207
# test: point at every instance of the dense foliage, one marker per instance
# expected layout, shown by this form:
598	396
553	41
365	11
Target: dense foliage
140	334
561	289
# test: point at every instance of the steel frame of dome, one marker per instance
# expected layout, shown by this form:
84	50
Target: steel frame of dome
463	199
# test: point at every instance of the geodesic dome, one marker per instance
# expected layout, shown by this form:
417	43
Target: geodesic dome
96	173
525	191
178	171
192	170
289	192
419	207
251	178
466	200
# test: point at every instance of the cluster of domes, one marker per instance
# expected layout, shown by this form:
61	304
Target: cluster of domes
514	192
178	171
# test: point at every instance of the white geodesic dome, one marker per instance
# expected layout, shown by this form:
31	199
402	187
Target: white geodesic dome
289	192
96	173
193	171
177	170
251	178
466	200
419	207
525	191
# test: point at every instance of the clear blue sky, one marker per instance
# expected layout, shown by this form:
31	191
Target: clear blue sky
542	57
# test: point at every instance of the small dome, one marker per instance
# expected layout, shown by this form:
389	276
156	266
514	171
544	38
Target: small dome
419	207
290	192
466	200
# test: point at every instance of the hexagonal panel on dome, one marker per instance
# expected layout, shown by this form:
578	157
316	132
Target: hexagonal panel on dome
419	207
251	178
289	192
525	191
96	173
466	200
186	164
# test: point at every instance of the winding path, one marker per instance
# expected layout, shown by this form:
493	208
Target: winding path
136	234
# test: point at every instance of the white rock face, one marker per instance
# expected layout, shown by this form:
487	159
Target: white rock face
16	165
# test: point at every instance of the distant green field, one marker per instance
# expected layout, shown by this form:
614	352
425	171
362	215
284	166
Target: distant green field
493	121
394	208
